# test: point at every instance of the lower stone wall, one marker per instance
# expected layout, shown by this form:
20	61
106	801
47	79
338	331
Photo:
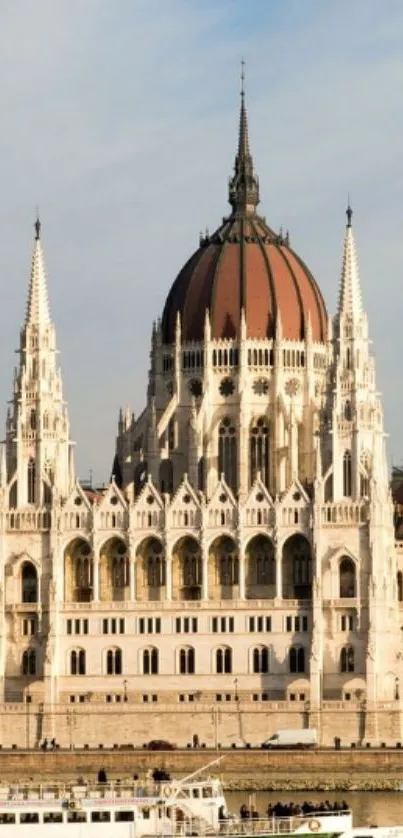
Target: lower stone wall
225	724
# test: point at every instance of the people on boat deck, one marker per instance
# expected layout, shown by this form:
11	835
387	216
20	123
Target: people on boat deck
159	775
49	746
279	810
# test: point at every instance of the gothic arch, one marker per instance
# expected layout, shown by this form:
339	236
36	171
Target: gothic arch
186	569
223	660
150	570
347	578
150	661
77	662
78	571
259	450
166	476
347	475
29	663
223	568
186	660
259	660
113	661
260	570
228	452
297	567
114	582
29	582
347	659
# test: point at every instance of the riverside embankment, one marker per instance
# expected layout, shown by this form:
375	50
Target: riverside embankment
243	769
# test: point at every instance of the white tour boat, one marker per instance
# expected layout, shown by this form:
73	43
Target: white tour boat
187	808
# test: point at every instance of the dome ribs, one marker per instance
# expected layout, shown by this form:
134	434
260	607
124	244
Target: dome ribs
320	303
270	280
297	293
198	296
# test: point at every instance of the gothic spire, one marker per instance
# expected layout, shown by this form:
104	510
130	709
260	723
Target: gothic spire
350	297
38	305
243	192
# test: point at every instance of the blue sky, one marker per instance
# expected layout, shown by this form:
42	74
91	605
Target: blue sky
120	121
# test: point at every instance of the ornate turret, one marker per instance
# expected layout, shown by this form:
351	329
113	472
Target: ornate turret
243	194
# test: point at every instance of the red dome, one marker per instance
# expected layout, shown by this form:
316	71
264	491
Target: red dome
244	265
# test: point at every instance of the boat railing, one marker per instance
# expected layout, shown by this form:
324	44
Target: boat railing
59	791
277	824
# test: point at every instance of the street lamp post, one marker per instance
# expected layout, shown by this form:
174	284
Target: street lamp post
28	718
236	689
125	690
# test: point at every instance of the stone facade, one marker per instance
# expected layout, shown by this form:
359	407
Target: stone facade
240	566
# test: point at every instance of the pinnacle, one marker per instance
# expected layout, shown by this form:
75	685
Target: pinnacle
350	297
38	305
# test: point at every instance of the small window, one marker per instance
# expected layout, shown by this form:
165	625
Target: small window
125	815
76	817
288	623
85	626
100	817
5	817
104	626
69	626
53	817
215	624
29	817
194	624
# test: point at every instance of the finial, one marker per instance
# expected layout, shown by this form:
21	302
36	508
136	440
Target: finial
242	78
37	226
349	212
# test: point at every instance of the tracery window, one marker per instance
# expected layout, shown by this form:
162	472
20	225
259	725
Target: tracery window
224	660
150	661
227	452
297	659
259	450
77	662
347	477
114	662
347	663
31	476
29	583
260	660
29	662
347	578
187	661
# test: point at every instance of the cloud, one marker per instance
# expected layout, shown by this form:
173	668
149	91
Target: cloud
120	120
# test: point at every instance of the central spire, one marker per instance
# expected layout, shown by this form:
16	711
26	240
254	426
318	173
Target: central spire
243	193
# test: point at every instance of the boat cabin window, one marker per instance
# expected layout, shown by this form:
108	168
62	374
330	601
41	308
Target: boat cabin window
124	815
76	817
53	817
146	814
207	791
5	817
196	792
100	817
29	817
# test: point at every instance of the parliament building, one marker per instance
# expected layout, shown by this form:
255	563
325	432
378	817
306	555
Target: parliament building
241	567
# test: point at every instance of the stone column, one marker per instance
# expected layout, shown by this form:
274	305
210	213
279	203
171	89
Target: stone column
95	587
241	556
132	577
204	556
168	565
279	569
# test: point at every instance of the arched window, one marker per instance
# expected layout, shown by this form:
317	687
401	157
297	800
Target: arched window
29	583
348	414
114	662
365	473
77	662
187	661
347	579
347	659
399	586
45	421
347	484
228	564
29	662
192	565
83	573
297	659
224	661
32	420
31	482
150	662
260	660
259	451
227	453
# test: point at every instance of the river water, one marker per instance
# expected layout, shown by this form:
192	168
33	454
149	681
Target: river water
380	808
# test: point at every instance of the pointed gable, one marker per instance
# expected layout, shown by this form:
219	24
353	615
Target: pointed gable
295	506
222	507
149	509
185	509
112	510
77	510
258	509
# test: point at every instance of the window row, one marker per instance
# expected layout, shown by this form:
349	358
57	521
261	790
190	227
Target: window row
186	661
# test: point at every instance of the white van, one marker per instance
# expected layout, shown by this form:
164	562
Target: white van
305	738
